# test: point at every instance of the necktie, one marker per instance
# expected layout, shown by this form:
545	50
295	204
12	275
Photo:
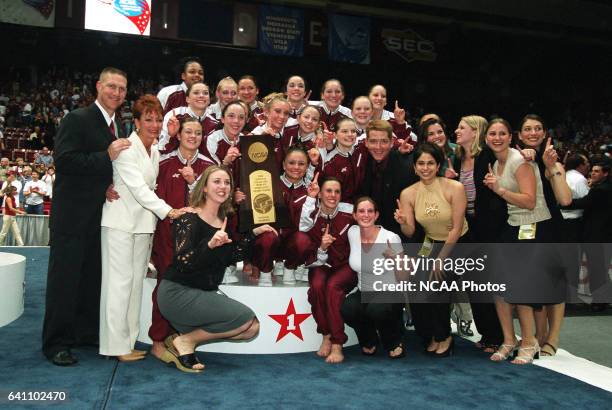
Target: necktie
111	127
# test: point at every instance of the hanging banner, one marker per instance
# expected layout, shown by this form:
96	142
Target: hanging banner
119	16
349	39
39	13
281	31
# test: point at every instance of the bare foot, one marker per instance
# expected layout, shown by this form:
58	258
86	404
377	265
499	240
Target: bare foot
336	355
433	345
326	347
253	273
247	267
368	350
397	352
444	345
158	349
183	347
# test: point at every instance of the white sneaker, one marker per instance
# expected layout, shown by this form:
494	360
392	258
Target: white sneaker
302	273
265	279
230	275
279	268
289	277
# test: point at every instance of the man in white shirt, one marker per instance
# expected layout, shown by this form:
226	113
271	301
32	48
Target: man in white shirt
577	167
34	192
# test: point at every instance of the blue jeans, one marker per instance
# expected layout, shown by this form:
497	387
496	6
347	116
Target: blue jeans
34	209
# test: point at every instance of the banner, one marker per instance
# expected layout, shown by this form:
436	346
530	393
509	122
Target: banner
119	16
408	44
281	31
39	13
349	39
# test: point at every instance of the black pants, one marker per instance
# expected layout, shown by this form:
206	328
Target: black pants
368	318
72	310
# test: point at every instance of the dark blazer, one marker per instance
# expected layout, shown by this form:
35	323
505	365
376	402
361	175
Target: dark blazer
83	168
491	211
398	174
597	216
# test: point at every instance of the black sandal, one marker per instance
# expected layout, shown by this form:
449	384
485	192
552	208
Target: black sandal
546	352
184	362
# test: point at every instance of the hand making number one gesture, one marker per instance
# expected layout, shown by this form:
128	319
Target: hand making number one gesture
491	180
450	171
313	187
326	239
220	237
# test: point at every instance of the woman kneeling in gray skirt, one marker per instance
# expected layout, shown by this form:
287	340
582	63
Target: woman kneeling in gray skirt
188	297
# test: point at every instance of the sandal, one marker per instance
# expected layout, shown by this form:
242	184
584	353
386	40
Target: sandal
548	352
504	352
184	362
399	356
533	352
168	342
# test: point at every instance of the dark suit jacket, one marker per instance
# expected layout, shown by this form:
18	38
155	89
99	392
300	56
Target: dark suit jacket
597	215
491	211
84	171
398	175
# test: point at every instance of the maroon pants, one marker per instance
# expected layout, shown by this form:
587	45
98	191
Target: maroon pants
328	288
290	246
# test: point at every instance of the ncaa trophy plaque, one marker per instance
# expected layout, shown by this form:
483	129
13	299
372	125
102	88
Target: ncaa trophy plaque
260	181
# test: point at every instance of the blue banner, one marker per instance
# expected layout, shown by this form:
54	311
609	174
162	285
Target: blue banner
349	39
281	31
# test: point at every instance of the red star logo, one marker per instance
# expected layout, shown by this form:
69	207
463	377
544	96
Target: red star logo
290	322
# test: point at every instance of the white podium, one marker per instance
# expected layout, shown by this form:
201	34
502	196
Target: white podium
286	322
12	280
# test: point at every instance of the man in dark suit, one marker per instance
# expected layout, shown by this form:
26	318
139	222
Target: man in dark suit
597	233
85	146
388	172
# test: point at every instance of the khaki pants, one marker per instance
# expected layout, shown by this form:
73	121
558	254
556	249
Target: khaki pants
9	222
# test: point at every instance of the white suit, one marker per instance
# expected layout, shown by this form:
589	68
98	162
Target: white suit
127	230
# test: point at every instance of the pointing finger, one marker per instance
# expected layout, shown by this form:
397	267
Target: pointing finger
224	225
549	142
491	170
450	164
399	206
396	105
327	229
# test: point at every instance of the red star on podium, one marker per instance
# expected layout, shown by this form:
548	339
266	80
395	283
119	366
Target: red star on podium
290	322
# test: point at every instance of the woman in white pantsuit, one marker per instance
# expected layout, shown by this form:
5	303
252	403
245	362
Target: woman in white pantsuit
128	224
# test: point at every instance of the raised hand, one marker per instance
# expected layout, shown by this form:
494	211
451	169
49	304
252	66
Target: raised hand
389	252
550	156
450	171
399	114
527	153
220	237
314	155
187	172
328	136
313	188
405	147
491	180
326	239
239	196
173	125
231	155
307	96
399	217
